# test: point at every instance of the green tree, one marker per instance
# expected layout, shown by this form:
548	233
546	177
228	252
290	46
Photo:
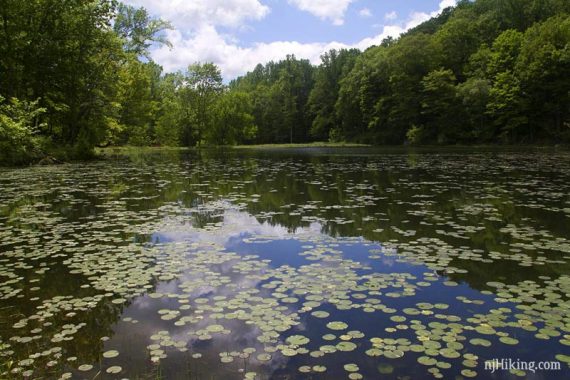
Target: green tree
543	69
361	95
280	92
233	122
19	125
506	105
204	85
138	103
440	108
474	96
138	30
459	40
171	115
324	95
66	55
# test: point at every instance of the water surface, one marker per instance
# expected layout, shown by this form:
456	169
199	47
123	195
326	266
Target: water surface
309	263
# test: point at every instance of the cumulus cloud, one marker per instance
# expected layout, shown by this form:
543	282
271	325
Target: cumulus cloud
197	13
332	10
365	12
208	45
391	15
419	17
201	40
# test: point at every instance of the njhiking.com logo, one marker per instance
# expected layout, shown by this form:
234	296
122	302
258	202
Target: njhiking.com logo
508	364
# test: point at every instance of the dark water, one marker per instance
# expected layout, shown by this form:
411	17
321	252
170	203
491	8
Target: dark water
309	263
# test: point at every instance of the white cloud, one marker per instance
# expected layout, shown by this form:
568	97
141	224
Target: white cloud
419	17
203	42
332	10
365	12
196	13
208	45
391	15
446	4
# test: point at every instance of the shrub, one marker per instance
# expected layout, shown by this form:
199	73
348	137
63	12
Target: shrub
19	125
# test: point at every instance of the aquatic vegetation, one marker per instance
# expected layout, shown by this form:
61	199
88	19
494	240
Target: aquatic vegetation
339	266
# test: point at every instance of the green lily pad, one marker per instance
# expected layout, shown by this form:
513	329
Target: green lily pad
297	340
337	325
111	354
346	346
426	360
114	369
351	367
508	340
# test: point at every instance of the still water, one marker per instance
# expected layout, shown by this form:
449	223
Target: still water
291	264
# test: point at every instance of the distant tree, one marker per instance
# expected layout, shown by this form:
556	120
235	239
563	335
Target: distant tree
474	96
233	122
138	30
19	125
459	40
439	107
324	95
138	103
171	115
204	85
543	69
506	104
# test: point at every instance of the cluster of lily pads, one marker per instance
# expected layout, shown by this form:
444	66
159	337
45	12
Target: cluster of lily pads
76	249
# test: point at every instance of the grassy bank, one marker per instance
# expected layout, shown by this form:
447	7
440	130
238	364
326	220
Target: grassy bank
128	150
61	155
308	145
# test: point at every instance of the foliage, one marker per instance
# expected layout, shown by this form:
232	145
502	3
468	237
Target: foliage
280	95
484	71
19	125
233	122
138	30
324	95
65	54
202	88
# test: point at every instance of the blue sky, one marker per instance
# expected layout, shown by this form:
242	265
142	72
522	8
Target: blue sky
238	34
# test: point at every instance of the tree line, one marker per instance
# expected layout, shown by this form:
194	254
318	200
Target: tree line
485	71
78	74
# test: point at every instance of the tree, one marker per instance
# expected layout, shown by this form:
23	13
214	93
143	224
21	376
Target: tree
66	55
280	93
171	115
440	108
233	122
360	91
19	125
474	97
543	68
459	40
324	95
204	85
506	105
409	62
482	71
138	104
138	30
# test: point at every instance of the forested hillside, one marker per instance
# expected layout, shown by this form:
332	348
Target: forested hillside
487	71
78	74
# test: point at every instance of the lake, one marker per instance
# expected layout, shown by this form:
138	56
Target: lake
288	263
